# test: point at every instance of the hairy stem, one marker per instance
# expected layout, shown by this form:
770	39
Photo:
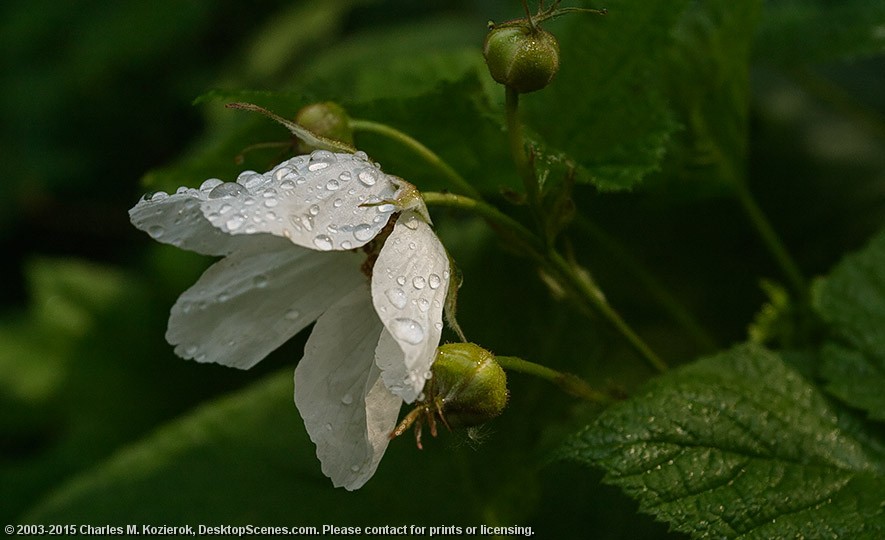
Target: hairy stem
569	383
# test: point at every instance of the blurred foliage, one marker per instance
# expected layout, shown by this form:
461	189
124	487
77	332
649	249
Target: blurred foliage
661	108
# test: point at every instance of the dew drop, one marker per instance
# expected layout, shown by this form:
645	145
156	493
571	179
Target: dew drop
281	173
225	208
397	297
328	427
223	297
270	203
363	232
182	189
292	314
418	282
347	399
411	222
434	281
367	177
385	208
438	325
423	304
407	330
235	222
355	468
332	185
156	196
191	350
314	210
249	179
413	246
210	184
156	231
287	184
428	375
347	244
323	242
360	156
225	189
401	280
320	159
337	203
345	176
260	281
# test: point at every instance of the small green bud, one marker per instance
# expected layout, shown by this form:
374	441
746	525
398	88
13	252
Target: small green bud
467	388
522	56
469	382
328	120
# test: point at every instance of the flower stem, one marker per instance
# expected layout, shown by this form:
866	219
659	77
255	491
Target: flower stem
456	180
517	150
567	382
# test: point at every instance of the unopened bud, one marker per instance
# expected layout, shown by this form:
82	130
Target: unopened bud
522	56
328	120
469	382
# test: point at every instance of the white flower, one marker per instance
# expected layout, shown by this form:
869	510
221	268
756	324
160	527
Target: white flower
289	238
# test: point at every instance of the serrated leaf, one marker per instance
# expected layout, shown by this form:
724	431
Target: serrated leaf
739	446
606	108
852	301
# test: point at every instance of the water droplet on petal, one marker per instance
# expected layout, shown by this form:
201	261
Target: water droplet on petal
210	184
287	184
314	210
156	196
385	208
367	177
418	282
360	156
355	468
434	281
260	281
411	222
363	232
323	242
320	159
345	176
270	203
407	330
423	304
438	325
328	427
225	189
249	179
281	173
401	280
397	297
337	203
191	350
223	297
156	231
347	244
347	399
332	185
235	222
428	375
292	314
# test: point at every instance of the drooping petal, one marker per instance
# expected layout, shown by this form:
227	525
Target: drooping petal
347	410
409	284
251	302
315	201
178	220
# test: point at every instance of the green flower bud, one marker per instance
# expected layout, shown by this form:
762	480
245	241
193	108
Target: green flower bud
328	120
522	57
470	385
467	388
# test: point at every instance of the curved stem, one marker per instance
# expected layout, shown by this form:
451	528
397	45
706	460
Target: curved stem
771	239
569	383
517	150
578	282
458	182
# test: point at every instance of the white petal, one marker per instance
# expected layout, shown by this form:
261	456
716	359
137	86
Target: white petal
409	284
251	302
315	201
178	220
347	410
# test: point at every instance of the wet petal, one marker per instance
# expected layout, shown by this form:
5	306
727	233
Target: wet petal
409	284
347	410
177	219
251	302
315	201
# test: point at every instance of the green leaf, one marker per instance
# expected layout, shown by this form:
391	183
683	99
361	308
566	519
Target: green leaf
852	301
740	446
607	108
805	31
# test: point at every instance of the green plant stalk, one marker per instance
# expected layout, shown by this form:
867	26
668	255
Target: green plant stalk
772	240
667	301
517	150
581	285
567	382
456	180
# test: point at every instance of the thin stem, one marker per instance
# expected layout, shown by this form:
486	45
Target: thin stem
771	239
456	180
667	301
517	150
582	285
299	131
567	382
